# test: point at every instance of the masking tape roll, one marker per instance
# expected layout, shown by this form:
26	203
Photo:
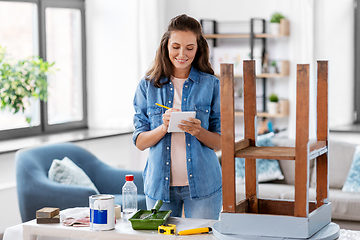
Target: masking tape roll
117	211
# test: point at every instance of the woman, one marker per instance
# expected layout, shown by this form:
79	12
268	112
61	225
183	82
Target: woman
182	168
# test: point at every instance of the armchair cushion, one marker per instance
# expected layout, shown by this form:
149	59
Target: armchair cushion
67	172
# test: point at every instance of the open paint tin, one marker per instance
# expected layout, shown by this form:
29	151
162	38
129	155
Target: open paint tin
102	212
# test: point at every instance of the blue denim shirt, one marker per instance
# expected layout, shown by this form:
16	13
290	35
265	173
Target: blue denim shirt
201	93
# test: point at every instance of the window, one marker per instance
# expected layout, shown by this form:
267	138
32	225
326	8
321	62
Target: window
54	30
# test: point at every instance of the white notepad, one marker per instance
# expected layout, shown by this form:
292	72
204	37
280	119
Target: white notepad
175	120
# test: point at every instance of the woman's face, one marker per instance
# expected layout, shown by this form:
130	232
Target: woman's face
182	47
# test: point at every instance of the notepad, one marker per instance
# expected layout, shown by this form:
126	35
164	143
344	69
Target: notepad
175	120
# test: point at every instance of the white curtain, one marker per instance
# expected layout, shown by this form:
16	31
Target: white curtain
122	37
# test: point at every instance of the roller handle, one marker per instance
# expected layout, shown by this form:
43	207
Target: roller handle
157	206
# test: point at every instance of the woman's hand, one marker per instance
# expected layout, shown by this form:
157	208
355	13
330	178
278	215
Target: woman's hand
166	117
193	126
210	139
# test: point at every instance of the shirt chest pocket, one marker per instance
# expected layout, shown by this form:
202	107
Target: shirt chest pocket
155	116
203	114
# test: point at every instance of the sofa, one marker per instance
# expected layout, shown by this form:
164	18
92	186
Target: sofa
345	205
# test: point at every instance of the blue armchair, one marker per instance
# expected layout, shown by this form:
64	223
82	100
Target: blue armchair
35	190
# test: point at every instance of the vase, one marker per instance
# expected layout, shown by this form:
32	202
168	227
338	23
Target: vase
273	108
275	28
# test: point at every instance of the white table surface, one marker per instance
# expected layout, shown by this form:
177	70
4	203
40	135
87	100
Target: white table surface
123	230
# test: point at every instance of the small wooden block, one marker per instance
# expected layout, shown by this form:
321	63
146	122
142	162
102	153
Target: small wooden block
55	219
47	212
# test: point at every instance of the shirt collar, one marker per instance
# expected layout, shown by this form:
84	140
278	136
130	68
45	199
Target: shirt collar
194	76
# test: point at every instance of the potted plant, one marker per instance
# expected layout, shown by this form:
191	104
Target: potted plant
275	23
273	105
22	81
274	67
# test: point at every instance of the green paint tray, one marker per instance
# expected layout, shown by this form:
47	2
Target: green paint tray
149	219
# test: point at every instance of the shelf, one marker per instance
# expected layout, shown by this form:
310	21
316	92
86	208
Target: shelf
263	114
260	35
284	32
277	153
284	72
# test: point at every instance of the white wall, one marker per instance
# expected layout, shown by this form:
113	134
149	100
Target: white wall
319	29
335	42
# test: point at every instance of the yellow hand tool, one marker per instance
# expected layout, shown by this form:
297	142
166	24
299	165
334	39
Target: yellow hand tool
168	229
195	231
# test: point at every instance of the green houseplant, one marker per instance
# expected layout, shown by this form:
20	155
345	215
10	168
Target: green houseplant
273	106
274	66
21	81
276	17
273	97
275	23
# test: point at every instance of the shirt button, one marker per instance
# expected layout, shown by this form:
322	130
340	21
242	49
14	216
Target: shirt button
169	101
186	85
171	89
167	163
188	144
189	159
207	110
167	148
167	178
190	175
184	99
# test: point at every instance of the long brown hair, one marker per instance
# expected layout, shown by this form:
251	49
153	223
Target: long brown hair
162	66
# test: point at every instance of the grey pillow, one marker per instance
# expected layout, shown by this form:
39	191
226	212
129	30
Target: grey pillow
340	159
67	172
352	183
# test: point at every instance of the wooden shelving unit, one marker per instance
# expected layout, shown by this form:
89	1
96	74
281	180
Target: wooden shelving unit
284	68
284	31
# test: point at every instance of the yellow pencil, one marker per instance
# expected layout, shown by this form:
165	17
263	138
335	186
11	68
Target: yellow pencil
195	231
162	106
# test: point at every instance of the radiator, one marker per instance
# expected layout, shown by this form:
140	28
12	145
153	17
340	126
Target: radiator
9	208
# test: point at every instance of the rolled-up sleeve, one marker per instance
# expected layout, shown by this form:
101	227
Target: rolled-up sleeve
214	121
141	120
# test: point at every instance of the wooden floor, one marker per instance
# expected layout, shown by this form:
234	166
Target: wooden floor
348	225
351	128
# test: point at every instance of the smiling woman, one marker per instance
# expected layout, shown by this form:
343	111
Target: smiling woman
181	79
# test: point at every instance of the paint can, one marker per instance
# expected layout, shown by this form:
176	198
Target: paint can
102	212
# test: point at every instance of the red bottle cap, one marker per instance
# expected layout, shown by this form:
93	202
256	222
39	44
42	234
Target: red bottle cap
129	177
